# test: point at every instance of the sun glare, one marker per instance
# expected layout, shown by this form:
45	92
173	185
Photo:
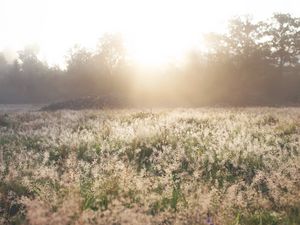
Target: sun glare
149	50
155	31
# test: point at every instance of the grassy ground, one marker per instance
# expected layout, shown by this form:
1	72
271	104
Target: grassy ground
183	166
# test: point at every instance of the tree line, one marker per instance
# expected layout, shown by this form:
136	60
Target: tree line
252	63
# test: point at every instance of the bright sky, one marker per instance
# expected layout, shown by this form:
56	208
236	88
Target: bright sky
154	30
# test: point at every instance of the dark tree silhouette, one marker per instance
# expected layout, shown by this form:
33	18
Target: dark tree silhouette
283	32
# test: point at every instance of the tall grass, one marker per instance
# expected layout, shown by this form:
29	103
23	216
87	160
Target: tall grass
183	166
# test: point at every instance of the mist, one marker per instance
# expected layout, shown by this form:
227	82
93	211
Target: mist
251	63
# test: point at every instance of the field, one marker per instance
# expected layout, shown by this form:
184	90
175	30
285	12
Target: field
164	166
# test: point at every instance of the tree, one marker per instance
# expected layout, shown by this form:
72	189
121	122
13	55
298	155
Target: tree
30	64
242	37
242	42
3	65
78	58
283	33
111	52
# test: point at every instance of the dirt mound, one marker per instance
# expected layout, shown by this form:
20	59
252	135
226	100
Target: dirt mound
95	102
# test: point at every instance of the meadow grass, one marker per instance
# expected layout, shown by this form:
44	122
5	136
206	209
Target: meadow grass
167	166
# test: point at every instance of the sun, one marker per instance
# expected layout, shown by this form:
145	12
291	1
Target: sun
148	53
156	31
150	50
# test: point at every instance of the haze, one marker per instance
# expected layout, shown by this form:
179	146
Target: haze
130	112
154	32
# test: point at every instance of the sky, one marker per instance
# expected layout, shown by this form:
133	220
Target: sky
153	30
